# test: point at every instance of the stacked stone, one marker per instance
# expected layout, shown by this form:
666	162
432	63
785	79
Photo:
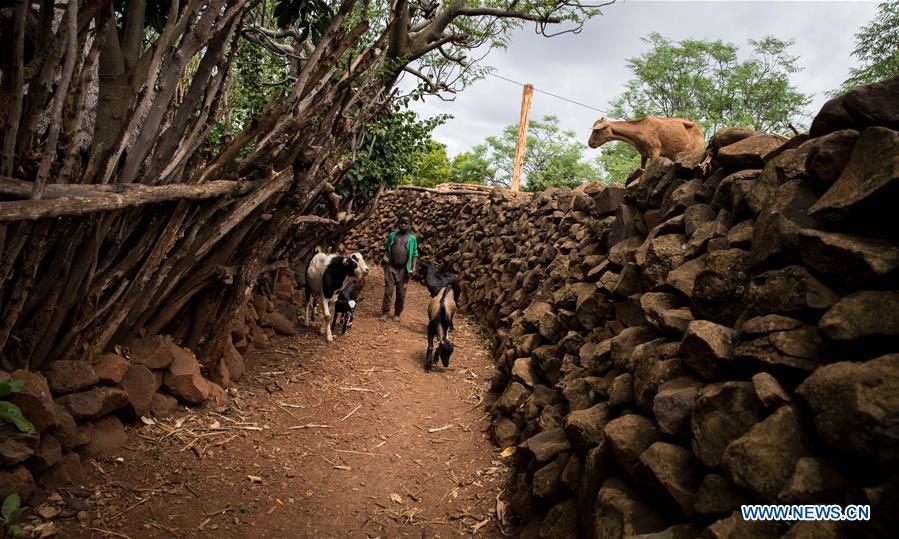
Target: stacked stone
705	338
272	310
78	407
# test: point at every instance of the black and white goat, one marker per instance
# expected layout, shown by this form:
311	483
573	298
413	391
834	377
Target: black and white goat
345	308
326	276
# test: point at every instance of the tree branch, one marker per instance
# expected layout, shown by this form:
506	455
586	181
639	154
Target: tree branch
100	200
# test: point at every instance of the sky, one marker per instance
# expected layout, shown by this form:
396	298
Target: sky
591	67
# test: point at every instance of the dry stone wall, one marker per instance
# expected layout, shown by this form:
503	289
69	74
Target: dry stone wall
698	340
80	408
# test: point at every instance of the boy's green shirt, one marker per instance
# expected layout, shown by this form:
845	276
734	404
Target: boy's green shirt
411	247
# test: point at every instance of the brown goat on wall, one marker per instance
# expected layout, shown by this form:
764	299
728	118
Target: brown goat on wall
651	136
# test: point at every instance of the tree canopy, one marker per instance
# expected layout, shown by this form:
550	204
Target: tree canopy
876	48
706	81
554	157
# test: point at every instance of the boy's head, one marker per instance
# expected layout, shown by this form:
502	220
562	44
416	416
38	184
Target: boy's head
404	222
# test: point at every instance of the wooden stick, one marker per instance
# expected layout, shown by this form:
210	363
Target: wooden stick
351	413
310	426
442	428
526	97
134	195
439	192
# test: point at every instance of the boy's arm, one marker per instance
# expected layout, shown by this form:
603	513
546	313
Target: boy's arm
414	253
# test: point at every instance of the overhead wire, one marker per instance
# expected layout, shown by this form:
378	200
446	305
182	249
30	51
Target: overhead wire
607	113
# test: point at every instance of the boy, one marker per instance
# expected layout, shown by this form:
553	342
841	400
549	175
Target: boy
400	254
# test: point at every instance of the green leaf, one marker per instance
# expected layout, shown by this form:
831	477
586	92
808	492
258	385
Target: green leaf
11	413
10	385
10	504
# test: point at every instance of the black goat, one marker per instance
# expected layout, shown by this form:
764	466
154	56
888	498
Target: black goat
437	281
345	308
441	310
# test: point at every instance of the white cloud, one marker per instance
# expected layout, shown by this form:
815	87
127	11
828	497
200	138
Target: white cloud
591	67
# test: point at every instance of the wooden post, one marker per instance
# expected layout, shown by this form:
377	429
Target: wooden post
526	96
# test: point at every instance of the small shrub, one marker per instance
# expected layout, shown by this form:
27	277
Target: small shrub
9	412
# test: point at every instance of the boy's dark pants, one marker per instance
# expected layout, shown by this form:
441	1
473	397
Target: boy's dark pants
394	279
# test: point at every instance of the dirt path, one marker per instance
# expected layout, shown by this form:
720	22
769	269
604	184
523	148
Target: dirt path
401	453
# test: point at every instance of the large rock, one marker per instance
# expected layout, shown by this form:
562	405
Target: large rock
546	445
683	277
856	407
763	459
707	347
94	403
748	152
776	340
852	259
280	323
654	364
665	253
769	390
512	398
16	446
47	453
548	478
723	412
66	376
719	289
16	480
35	400
673	405
870	105
866	192
776	233
607	201
620	512
597	468
141	384
155	352
670	469
107	436
234	361
504	431
862	314
718	495
67	431
183	378
621	392
628	437
163	405
68	472
622	345
523	371
735	527
829	155
110	368
814	480
561	522
789	290
729	135
584	428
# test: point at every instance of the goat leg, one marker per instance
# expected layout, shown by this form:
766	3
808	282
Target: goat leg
310	302
430	348
327	312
